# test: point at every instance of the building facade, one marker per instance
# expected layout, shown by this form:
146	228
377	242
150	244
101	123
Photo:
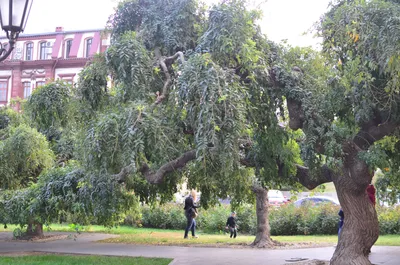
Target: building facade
44	57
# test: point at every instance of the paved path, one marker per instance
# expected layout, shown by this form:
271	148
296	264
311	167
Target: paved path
85	244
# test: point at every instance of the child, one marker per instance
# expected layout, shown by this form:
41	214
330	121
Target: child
231	224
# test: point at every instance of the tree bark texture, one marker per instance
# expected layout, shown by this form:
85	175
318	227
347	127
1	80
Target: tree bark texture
263	239
34	229
360	229
164	63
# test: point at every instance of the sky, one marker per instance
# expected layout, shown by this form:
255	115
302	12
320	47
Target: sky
283	19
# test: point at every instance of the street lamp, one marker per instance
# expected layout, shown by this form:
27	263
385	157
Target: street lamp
13	17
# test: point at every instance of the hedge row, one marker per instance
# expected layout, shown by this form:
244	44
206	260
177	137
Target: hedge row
286	220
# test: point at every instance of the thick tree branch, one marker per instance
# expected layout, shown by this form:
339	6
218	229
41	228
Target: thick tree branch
247	162
373	131
171	59
157	177
323	175
124	173
296	114
164	63
256	188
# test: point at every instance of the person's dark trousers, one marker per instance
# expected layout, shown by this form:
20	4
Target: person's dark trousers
191	225
233	232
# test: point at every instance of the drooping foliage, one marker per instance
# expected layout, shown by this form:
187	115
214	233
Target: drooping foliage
192	98
167	25
225	60
366	49
9	118
68	194
123	136
48	108
212	107
23	155
131	66
353	86
230	35
92	88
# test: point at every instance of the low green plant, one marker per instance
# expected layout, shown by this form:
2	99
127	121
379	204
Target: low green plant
389	220
83	260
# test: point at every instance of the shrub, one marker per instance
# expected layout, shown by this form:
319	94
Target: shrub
247	219
320	220
167	216
286	220
213	220
389	220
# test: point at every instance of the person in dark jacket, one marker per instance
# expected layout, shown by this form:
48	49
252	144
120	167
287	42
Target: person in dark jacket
231	224
190	213
341	221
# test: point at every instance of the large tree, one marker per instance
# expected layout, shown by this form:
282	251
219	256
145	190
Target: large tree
214	114
351	118
40	184
202	95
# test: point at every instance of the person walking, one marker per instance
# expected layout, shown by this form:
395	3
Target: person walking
341	221
190	213
231	224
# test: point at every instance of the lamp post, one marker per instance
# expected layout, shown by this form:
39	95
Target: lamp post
13	17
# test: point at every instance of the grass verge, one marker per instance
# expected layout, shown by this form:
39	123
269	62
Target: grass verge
152	236
80	260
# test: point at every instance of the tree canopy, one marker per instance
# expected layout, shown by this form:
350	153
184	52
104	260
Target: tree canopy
202	95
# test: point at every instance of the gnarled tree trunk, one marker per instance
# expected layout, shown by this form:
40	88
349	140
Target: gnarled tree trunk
263	238
360	229
34	229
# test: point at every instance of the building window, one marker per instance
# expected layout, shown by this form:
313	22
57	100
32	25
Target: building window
29	51
43	49
88	46
68	45
27	89
68	81
3	91
40	83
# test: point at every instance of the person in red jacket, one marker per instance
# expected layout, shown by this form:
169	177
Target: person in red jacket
371	193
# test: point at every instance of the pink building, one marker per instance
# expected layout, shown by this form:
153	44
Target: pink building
39	58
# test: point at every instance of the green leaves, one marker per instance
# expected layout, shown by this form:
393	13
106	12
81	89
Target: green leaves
131	66
228	38
49	108
23	155
212	100
363	37
83	197
168	25
92	85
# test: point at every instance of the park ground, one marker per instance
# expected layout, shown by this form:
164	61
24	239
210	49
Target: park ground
163	237
127	242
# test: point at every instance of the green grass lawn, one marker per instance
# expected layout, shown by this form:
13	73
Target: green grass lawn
152	236
165	237
91	229
80	260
